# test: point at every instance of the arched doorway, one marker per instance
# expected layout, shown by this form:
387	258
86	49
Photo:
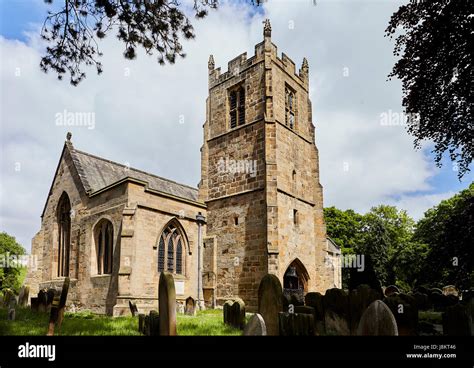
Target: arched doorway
295	280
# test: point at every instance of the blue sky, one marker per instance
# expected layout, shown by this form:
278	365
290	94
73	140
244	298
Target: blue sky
384	168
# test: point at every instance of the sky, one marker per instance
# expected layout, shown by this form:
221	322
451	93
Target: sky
150	116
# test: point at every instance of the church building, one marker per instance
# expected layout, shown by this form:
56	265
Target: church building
258	208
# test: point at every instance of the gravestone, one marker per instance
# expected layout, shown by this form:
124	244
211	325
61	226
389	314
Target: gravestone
377	320
154	325
23	296
296	324
227	311
62	301
167	304
57	307
190	307
8	296
270	299
237	314
255	326
451	290
11	314
42	300
421	300
405	311
34	304
133	308
141	323
436	290
359	300
457	321
392	289
440	302
315	300
336	312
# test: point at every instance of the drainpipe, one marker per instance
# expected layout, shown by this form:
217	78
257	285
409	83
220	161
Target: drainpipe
201	220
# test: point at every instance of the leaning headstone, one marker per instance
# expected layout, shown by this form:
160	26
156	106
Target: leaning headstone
23	296
237	314
392	289
190	307
167	305
133	308
296	324
336	312
270	299
451	290
405	311
377	320
8	296
457	321
255	326
62	302
54	314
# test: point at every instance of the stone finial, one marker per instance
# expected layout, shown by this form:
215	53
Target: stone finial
305	66
68	136
210	63
267	28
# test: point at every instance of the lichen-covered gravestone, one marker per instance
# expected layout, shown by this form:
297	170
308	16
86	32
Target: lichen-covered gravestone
57	307
23	296
270	302
42	300
390	290
403	307
377	320
255	326
167	305
227	311
296	324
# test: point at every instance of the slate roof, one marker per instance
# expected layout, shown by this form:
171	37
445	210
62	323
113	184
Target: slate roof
97	173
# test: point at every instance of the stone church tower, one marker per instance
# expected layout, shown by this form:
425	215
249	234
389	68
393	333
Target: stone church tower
260	180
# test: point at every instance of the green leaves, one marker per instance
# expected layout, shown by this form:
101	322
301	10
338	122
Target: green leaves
436	72
10	277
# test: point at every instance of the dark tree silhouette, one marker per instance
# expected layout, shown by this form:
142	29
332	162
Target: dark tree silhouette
73	31
436	71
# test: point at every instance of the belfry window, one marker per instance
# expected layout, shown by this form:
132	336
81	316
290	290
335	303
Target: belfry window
171	250
290	107
237	107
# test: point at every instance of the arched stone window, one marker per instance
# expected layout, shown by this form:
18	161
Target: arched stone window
64	234
104	240
172	238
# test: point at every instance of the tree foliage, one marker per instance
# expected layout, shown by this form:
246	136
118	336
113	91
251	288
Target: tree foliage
73	31
449	230
436	71
10	277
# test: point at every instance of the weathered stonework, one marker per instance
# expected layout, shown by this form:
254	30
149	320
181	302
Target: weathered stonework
255	177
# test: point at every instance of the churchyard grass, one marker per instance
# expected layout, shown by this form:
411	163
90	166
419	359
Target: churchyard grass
28	323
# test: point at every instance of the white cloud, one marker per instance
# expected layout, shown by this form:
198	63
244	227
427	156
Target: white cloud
138	116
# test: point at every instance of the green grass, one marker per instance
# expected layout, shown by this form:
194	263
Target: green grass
28	323
430	316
